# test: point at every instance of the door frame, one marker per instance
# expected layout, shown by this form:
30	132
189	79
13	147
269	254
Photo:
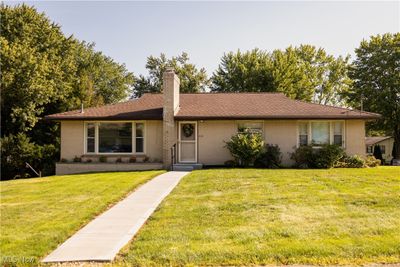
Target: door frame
180	141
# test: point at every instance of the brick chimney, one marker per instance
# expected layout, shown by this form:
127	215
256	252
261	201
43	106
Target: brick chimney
170	89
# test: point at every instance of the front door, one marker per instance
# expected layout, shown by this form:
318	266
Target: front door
187	141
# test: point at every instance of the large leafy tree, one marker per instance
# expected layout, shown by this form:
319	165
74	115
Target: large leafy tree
376	75
192	79
305	72
43	72
248	71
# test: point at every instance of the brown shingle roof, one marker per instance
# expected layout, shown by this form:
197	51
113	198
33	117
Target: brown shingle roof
218	106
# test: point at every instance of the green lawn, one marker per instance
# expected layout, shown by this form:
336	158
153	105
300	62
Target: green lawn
245	217
38	214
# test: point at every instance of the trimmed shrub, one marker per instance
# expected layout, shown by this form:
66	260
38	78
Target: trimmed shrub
351	162
63	160
132	159
89	160
245	147
230	164
146	159
303	157
328	156
270	157
118	160
371	161
103	159
77	159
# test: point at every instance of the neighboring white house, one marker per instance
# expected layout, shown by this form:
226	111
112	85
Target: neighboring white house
385	143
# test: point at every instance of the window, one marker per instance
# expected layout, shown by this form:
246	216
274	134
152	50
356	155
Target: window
383	149
250	127
139	137
303	133
115	137
369	149
90	137
338	133
320	133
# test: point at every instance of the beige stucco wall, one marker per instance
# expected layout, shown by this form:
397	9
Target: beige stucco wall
355	137
154	140
211	137
72	139
212	134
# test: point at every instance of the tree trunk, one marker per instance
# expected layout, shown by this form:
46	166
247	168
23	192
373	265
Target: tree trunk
396	145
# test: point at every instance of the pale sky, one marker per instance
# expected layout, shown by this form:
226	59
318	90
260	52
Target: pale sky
131	31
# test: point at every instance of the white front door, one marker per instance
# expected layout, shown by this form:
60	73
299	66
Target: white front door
187	142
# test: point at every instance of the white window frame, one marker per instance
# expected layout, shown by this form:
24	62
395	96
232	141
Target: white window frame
331	131
96	137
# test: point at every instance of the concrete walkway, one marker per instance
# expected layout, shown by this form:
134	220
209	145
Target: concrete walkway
102	238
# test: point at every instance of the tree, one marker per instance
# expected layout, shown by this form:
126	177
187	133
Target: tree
44	72
244	72
376	75
303	72
309	73
192	79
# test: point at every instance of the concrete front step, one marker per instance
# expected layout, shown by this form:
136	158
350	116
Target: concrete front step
187	166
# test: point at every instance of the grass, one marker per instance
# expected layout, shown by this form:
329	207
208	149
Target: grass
39	214
256	217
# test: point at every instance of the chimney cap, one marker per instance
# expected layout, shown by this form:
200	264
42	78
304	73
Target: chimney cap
169	69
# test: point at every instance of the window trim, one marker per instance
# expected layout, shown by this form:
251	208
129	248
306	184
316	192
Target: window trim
96	137
331	132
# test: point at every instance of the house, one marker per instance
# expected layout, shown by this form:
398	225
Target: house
384	142
191	129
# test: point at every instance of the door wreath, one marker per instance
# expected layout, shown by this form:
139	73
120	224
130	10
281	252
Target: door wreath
187	130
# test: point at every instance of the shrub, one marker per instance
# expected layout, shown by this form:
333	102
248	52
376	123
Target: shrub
146	159
303	157
89	160
245	147
230	163
118	160
77	159
103	159
270	157
63	160
328	156
351	162
132	159
371	161
323	157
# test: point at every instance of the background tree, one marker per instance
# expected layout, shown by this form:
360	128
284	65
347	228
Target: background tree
244	72
376	75
44	72
305	72
192	79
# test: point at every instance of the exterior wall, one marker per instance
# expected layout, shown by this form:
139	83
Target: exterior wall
154	140
211	137
284	134
355	137
72	168
72	139
212	134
